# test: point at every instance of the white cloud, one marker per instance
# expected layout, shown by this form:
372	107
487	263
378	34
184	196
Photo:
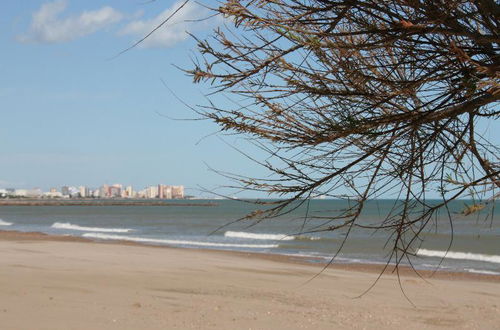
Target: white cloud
174	30
48	27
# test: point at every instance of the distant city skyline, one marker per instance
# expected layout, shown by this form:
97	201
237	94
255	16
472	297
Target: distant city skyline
117	190
71	114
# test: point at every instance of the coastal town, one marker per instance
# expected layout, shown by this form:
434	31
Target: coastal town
160	191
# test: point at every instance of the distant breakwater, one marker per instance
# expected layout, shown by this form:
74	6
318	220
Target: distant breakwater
100	202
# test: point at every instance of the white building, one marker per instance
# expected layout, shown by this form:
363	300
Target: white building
34	193
83	191
178	192
129	192
20	192
96	193
152	192
167	192
53	194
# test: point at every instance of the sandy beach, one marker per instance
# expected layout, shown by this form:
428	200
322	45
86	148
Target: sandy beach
49	282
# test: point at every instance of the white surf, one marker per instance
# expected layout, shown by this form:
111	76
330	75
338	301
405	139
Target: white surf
67	225
177	242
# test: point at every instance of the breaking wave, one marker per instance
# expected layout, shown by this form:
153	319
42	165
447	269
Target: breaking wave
5	223
268	237
70	226
459	255
178	242
308	238
480	271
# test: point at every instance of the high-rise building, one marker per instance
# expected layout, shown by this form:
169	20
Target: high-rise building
65	191
142	193
104	191
83	191
129	192
167	192
115	190
164	191
74	192
151	192
178	192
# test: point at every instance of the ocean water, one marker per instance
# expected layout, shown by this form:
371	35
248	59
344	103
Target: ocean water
464	244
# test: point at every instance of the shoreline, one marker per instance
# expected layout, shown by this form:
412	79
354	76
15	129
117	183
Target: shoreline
319	263
63	282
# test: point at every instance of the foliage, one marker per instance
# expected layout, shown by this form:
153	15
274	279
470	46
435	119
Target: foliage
369	97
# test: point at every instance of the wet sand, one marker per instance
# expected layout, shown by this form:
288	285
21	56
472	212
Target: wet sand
57	282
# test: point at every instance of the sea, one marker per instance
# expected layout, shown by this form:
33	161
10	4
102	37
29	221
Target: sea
451	241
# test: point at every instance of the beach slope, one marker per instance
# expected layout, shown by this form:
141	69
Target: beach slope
62	283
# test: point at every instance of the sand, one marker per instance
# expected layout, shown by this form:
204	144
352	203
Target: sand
51	282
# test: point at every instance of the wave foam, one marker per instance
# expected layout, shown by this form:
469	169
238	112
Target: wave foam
178	242
268	237
308	238
459	255
5	223
480	271
70	226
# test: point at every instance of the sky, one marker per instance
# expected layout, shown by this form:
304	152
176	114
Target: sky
75	113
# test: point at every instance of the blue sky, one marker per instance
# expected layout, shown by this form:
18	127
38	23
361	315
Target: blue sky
72	113
72	116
